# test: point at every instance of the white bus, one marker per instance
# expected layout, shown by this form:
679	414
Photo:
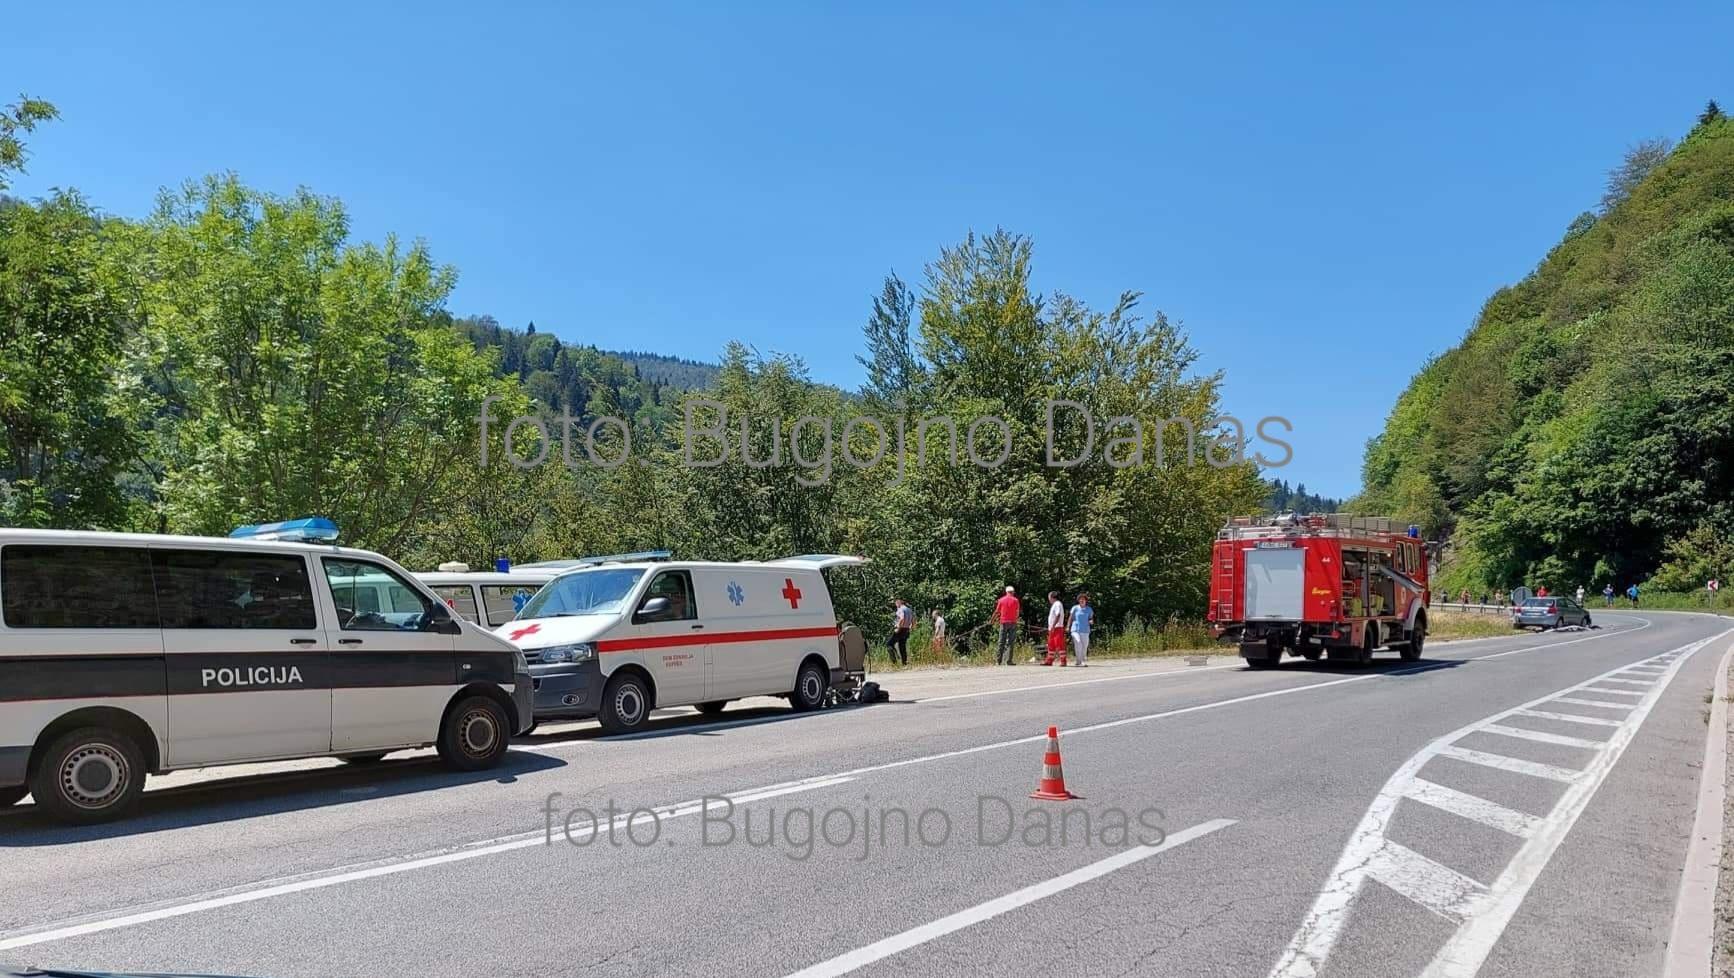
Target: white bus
128	654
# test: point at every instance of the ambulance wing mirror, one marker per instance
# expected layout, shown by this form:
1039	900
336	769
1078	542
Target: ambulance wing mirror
653	609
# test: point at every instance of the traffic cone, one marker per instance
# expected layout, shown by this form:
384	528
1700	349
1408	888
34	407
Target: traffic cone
1052	786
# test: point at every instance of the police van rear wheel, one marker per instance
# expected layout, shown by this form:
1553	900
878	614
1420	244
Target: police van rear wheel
625	704
12	796
373	758
475	734
91	774
713	707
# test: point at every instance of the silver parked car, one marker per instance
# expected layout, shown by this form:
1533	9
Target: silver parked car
1549	612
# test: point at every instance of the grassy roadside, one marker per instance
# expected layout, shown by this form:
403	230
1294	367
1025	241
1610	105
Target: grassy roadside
1446	626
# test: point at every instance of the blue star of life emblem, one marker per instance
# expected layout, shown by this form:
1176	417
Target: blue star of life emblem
736	595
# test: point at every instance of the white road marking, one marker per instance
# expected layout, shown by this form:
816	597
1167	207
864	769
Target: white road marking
1568	717
1514	765
1542	737
1580	701
1188	671
1630	682
1433	885
316	881
1691	943
1613	692
1472	807
1484	912
915	937
266	889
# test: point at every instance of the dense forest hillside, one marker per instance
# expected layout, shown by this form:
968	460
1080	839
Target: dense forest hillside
676	372
1583	431
1284	499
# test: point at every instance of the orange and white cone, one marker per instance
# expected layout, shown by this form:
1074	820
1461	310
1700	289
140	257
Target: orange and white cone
1052	787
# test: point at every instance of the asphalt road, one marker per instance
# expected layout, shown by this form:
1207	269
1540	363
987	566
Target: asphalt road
1514	807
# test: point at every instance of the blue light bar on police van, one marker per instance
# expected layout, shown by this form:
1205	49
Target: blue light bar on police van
311	529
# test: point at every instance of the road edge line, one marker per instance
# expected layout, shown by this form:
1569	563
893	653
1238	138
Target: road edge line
1692	938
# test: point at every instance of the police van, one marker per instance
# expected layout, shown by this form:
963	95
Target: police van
128	654
488	598
616	639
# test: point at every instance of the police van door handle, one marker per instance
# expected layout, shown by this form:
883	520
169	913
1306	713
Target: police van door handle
303	641
349	641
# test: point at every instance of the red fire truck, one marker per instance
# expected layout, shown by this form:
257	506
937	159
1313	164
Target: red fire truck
1308	585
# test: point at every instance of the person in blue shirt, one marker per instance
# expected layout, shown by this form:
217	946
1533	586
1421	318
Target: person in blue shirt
1081	616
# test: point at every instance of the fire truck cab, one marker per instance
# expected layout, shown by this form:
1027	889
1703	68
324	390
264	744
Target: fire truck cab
1324	583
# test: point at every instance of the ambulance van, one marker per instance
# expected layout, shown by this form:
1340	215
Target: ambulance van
123	655
615	641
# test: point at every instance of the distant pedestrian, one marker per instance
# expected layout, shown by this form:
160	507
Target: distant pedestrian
1580	594
1632	592
902	620
1608	595
938	631
1464	597
1056	630
1008	609
1541	592
1082	616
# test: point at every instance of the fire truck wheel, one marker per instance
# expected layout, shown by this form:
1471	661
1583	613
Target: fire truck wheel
1311	655
1411	650
1370	643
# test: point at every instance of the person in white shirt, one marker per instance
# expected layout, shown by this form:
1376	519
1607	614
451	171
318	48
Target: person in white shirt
1056	629
938	631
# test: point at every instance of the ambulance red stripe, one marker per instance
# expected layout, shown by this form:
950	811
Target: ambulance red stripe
715	638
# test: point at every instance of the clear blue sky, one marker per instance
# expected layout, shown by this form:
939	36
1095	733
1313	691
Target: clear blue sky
1323	194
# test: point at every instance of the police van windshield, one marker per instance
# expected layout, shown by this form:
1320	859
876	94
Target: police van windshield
592	592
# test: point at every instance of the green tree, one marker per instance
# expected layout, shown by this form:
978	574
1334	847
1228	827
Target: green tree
61	332
22	116
286	370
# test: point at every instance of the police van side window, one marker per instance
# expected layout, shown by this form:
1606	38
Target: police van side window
76	587
355	588
232	589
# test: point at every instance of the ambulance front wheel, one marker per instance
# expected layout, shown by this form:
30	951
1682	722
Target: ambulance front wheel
625	703
92	774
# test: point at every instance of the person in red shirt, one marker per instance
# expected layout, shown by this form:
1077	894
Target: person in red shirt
1541	592
1008	608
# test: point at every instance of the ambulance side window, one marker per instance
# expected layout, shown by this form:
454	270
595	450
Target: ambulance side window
676	586
459	598
504	601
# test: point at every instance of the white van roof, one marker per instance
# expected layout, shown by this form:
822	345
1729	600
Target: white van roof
819	561
514	576
95	538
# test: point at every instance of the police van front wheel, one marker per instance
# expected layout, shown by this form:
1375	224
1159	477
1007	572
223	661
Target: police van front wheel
91	774
475	734
12	796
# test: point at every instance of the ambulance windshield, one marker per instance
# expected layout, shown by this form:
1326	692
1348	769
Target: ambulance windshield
591	592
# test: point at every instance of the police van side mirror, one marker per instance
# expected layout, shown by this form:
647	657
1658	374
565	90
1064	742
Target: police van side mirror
653	609
441	623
